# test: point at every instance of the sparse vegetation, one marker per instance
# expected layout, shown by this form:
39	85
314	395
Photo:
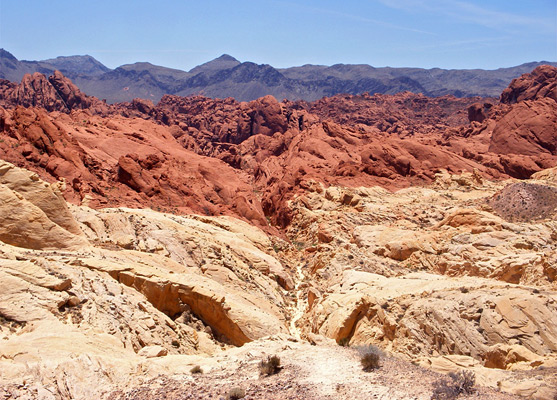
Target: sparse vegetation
370	357
344	342
454	385
236	393
270	365
196	370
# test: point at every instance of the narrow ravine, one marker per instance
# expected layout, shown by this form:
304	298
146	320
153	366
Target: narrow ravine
297	311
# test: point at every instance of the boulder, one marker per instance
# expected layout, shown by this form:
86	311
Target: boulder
32	215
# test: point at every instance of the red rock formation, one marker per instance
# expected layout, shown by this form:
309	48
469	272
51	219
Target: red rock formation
128	162
529	128
75	98
478	112
56	93
36	91
171	155
404	113
519	136
540	83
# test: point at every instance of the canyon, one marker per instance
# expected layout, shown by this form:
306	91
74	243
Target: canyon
140	240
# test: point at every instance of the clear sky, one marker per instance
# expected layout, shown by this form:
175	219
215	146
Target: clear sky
182	34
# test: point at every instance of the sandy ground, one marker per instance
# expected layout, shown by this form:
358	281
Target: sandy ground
308	372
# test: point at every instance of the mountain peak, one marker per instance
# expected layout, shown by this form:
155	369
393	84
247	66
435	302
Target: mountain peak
7	55
73	65
226	57
220	63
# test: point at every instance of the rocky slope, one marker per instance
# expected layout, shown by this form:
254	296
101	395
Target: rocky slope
166	293
154	238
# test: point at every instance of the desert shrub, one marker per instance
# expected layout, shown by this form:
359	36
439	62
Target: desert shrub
344	342
370	357
236	394
270	365
196	370
453	386
443	389
464	380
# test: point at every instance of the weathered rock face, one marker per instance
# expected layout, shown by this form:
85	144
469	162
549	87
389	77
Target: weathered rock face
549	175
421	314
521	131
143	285
405	114
57	93
419	274
220	123
213	271
477	112
540	83
44	196
528	129
35	90
32	214
73	98
217	268
126	162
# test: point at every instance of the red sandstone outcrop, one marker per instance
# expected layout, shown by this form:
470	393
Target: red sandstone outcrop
36	91
529	128
519	136
57	93
478	112
273	149
540	83
405	114
75	98
123	161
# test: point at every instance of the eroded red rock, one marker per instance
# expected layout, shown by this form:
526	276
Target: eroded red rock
218	156
540	83
128	162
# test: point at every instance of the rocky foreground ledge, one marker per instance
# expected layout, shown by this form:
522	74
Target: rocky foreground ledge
123	303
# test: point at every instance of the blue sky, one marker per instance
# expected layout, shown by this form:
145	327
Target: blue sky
183	34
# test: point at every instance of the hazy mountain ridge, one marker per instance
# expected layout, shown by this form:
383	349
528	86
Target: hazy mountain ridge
225	76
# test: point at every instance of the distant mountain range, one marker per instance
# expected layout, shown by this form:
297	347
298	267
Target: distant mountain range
227	77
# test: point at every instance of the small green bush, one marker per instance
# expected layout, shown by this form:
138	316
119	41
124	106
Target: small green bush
270	365
236	394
